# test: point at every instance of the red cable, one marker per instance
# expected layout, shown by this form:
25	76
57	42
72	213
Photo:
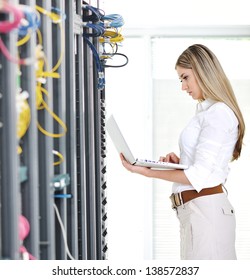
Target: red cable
11	58
7	25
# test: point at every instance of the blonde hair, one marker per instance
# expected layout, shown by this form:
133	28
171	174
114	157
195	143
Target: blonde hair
213	82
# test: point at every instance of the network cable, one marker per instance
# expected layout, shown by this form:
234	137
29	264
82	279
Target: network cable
57	17
96	14
60	156
100	69
96	30
8	25
30	22
59	121
112	20
106	27
57	11
24	230
11	58
111	36
63	232
23	111
117	65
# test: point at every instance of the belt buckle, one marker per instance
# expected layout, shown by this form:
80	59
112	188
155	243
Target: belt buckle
176	200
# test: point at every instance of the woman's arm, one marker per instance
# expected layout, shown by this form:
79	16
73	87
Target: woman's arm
177	176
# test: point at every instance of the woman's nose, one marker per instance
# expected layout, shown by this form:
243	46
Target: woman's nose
184	86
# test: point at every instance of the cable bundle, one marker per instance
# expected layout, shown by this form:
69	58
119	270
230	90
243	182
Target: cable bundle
112	20
106	28
96	14
95	29
25	21
42	73
111	36
99	65
7	26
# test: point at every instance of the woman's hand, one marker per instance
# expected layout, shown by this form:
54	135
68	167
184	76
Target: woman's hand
134	168
171	157
173	175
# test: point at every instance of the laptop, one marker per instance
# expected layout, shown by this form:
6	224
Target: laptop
122	147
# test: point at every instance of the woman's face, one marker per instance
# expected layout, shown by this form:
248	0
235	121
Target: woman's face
189	82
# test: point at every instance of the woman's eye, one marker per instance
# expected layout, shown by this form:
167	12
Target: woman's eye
184	78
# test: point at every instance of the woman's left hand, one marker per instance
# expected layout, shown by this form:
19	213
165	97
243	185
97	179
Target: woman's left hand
134	168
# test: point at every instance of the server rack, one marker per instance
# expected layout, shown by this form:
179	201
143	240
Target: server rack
63	201
10	191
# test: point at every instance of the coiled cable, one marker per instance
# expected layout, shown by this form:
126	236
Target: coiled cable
6	25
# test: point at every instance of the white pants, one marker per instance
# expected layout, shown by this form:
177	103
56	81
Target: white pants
207	228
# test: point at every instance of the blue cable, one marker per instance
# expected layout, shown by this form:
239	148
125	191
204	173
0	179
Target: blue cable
113	20
63	195
99	66
33	22
98	30
58	11
96	14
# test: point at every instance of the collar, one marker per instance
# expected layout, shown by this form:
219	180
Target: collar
204	105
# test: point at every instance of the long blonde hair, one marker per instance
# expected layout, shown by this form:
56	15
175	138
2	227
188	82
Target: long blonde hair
213	82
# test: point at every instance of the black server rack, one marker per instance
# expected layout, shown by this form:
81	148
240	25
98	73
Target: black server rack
52	178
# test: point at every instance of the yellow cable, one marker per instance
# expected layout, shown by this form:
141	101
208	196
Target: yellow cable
111	36
24	40
23	117
54	17
57	20
41	61
19	150
39	96
23	120
39	36
60	122
41	74
61	158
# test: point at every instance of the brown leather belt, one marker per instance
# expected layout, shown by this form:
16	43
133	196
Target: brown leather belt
179	199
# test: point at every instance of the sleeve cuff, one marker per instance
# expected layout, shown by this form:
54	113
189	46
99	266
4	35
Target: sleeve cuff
193	176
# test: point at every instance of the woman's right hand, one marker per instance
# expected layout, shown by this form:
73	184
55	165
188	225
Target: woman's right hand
171	157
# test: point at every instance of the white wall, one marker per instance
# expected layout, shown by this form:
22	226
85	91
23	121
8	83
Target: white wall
127	95
160	13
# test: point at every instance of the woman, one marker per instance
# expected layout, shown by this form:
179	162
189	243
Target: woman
212	139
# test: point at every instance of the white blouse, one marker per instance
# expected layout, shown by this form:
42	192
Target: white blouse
207	144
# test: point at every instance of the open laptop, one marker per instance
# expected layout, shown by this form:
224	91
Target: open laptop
122	147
